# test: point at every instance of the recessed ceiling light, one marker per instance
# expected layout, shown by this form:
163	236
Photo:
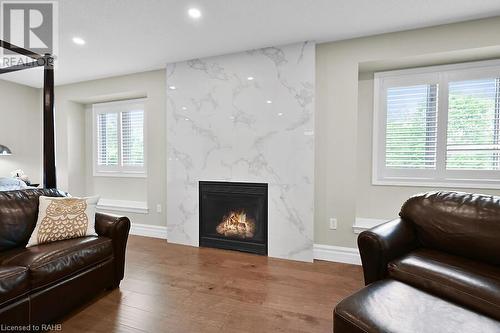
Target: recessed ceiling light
172	87
269	102
194	13
78	41
250	78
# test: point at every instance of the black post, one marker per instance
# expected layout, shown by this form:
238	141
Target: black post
49	154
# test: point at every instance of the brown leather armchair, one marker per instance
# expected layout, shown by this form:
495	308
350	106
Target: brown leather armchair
41	283
434	269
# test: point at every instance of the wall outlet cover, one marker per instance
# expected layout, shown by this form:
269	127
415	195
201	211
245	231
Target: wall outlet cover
333	223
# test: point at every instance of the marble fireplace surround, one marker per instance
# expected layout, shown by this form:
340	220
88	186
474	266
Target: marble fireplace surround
245	117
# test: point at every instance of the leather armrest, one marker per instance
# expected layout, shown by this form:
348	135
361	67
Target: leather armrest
116	228
379	245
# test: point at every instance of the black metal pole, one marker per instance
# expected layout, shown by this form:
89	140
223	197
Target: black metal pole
49	153
19	50
21	67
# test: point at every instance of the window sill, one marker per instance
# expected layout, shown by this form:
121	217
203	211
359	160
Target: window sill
137	207
361	224
486	184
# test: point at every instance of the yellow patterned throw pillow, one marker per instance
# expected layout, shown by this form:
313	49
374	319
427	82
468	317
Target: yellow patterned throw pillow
64	218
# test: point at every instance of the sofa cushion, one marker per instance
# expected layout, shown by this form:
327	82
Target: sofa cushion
18	214
64	218
13	282
48	263
462	224
466	282
391	306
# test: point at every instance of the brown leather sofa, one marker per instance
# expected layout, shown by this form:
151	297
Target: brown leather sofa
436	269
40	284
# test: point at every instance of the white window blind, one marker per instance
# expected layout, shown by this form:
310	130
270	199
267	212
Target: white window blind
411	127
133	138
107	139
119	148
473	125
438	126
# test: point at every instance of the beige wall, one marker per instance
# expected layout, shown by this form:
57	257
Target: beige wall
344	107
21	129
74	141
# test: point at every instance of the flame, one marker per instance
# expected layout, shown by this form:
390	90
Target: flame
236	224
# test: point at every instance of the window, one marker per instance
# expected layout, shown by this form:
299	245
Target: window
119	138
438	126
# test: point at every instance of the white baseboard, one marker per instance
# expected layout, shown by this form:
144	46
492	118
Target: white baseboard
347	255
361	224
147	230
137	207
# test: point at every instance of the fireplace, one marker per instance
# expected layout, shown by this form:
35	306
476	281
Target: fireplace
234	216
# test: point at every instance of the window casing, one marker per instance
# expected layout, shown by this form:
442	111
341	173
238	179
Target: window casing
119	147
438	126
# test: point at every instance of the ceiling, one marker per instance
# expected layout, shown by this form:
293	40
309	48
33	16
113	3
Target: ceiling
127	36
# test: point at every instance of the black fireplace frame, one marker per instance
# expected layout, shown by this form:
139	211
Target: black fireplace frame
260	189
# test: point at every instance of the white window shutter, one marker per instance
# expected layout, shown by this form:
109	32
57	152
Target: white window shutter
107	139
133	138
474	125
411	127
438	126
119	148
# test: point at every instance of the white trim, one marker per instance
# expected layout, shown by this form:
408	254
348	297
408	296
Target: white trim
441	68
361	224
154	231
123	102
450	184
120	174
376	127
138	207
346	255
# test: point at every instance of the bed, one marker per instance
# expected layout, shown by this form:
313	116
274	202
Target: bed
10	184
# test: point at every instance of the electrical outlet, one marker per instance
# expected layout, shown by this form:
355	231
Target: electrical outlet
158	208
333	223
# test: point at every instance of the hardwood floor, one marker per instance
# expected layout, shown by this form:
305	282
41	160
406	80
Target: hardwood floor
175	288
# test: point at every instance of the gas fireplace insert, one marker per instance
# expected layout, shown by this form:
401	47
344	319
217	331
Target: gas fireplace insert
233	216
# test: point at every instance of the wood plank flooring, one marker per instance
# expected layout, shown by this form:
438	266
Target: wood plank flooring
175	288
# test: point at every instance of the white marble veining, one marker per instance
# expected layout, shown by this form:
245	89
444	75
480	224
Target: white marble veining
223	126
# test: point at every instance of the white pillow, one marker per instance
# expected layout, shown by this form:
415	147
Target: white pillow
11	184
64	218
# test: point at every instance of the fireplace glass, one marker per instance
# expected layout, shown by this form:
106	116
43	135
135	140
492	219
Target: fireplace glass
234	216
